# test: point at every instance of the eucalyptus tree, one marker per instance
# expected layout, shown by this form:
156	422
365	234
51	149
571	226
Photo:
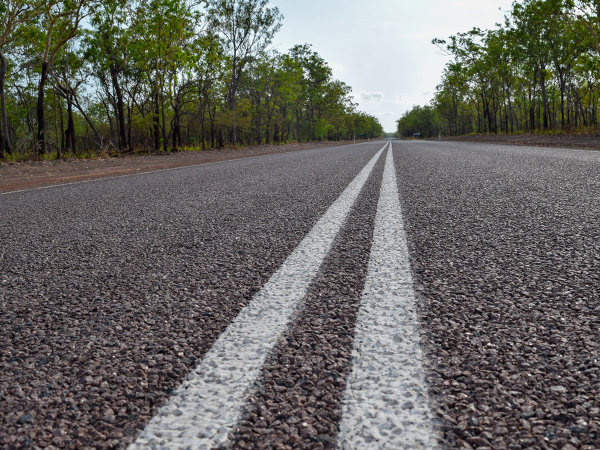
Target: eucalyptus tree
450	93
254	86
106	47
164	30
470	55
562	44
263	84
335	106
290	75
63	78
274	80
316	75
246	28
188	42
209	71
532	28
502	59
59	23
565	50
14	15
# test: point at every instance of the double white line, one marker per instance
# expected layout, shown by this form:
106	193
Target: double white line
386	403
208	405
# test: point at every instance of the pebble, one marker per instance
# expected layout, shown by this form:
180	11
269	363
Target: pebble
126	301
504	251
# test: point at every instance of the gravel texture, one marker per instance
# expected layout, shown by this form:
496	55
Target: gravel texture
303	381
112	291
505	252
32	174
208	405
386	403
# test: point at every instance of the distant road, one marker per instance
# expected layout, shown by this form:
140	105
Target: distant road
377	295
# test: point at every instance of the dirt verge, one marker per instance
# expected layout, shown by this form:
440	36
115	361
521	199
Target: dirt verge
582	141
32	174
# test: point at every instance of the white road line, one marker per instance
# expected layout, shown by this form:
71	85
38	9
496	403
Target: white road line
207	406
386	402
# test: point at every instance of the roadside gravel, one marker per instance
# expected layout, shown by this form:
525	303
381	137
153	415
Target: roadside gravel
111	291
505	249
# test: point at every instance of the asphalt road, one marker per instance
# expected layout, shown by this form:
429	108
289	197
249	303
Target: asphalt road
485	335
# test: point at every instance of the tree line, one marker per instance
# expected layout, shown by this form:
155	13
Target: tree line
537	72
81	77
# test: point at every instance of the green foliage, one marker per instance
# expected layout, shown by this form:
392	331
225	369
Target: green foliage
152	75
538	71
424	120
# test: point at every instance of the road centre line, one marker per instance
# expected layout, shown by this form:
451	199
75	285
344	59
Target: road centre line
386	401
208	404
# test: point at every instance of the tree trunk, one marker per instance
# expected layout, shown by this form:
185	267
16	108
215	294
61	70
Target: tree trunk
531	112
298	126
212	133
4	134
61	146
87	118
232	99
544	98
120	107
164	126
268	132
156	121
220	137
129	130
70	124
203	136
175	131
561	85
41	134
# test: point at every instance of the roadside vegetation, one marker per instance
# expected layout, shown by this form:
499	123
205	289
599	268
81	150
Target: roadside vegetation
87	77
537	72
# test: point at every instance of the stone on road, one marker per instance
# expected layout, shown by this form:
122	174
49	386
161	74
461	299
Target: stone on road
479	306
204	410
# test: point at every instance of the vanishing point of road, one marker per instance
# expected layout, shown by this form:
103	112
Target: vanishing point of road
382	295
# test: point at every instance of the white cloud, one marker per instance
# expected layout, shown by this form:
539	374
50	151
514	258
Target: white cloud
399	98
372	96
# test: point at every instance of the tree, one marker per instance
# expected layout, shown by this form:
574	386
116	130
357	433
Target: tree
247	28
60	21
13	15
107	47
156	75
420	119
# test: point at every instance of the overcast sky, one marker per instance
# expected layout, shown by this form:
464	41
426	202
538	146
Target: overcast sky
382	48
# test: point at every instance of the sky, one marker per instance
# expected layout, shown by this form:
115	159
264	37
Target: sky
382	48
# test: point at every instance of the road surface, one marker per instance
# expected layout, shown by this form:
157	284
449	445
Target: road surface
378	295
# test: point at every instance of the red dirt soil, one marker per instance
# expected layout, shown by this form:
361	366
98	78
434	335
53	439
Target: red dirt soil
582	141
33	174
